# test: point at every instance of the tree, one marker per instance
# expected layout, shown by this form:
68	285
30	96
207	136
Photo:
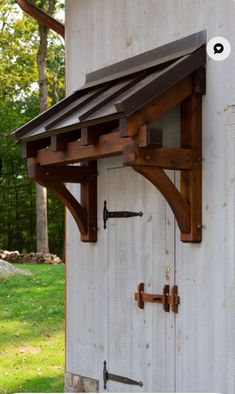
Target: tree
19	40
41	201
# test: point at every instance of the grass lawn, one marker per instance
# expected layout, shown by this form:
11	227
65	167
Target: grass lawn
32	330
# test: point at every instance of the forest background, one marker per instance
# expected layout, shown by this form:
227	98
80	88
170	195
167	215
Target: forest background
19	102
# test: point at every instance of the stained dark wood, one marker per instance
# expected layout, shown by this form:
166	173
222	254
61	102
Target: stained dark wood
64	174
191	181
90	135
154	136
59	142
29	149
126	97
175	199
168	158
89	202
78	212
53	178
165	298
109	145
157	107
199	81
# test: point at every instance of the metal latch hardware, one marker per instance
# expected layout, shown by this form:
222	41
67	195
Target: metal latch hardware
116	378
117	214
166	299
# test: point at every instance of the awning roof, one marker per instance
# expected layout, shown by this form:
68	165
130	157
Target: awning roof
113	114
119	90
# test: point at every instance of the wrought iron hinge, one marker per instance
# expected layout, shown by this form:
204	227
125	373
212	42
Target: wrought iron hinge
116	378
117	214
166	299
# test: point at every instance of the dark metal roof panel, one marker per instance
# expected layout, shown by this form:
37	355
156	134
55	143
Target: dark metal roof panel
142	95
40	119
52	117
154	57
118	90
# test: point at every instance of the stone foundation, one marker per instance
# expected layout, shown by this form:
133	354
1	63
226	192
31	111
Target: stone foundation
80	384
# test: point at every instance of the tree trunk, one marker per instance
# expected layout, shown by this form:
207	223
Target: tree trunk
41	192
42	227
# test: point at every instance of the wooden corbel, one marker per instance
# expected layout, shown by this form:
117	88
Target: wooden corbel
54	177
185	203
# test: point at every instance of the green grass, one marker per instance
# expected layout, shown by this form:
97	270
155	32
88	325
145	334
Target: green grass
32	330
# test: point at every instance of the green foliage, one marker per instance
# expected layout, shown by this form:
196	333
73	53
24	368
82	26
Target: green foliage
19	103
19	41
32	330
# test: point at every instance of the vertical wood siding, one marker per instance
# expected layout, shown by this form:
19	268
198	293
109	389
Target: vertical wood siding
102	32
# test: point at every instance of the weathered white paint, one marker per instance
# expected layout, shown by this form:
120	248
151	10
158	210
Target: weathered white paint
137	340
201	357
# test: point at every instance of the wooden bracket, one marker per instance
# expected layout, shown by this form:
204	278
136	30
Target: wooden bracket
166	299
84	213
185	203
176	200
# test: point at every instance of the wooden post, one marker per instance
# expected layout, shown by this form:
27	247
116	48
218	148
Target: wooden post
191	181
89	202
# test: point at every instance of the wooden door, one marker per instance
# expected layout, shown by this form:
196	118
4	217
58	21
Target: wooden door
140	343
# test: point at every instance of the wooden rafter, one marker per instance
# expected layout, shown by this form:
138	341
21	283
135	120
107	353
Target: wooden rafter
157	107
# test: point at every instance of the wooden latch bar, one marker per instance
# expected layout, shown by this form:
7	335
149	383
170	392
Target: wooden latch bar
166	299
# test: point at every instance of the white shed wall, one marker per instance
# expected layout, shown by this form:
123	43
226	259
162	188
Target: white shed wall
101	32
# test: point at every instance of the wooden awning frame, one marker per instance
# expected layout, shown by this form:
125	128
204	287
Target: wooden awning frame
49	158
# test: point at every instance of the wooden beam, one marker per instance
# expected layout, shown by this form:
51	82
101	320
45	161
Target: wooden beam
177	202
157	107
168	158
69	174
109	145
191	181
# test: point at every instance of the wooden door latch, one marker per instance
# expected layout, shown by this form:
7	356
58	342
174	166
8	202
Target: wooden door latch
166	299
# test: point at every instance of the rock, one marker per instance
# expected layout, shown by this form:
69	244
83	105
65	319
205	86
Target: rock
38	257
7	269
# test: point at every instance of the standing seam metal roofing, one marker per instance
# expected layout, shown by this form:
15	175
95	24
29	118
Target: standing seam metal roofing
119	90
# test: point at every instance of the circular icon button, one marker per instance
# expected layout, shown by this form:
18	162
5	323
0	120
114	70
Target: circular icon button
218	48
